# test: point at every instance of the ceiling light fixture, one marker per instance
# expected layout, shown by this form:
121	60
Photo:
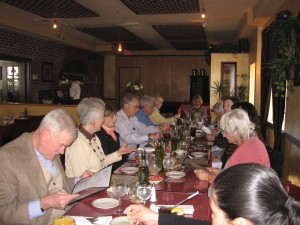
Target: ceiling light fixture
203	14
54	24
120	48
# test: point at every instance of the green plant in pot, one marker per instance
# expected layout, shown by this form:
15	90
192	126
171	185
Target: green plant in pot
284	33
241	91
218	89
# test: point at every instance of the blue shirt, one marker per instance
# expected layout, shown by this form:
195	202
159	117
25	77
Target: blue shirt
144	118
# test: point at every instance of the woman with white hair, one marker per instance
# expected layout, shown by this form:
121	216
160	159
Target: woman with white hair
156	117
86	152
238	129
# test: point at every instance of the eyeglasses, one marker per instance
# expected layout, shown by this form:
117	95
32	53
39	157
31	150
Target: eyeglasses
134	106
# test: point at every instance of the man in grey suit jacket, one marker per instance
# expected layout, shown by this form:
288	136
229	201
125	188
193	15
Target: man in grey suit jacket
33	185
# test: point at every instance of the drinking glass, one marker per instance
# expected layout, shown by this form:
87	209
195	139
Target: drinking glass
168	164
154	165
144	192
138	157
119	190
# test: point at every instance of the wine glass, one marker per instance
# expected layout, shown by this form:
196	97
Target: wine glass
144	192
119	190
168	164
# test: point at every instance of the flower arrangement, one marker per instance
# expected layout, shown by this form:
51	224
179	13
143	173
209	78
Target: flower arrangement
134	88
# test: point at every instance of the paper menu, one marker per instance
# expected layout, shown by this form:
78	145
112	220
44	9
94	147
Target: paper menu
90	185
99	179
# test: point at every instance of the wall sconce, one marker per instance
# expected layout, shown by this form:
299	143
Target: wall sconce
203	14
120	48
54	25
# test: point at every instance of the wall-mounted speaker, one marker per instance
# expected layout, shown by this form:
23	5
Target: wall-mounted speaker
244	45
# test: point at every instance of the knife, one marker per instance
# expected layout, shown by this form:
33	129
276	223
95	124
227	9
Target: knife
184	200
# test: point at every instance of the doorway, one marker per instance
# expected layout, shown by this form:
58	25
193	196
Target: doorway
14	79
228	77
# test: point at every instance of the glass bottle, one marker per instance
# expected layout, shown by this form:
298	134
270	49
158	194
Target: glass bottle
25	112
143	172
159	153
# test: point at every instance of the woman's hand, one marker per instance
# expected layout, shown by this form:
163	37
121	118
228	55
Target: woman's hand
139	213
203	174
123	150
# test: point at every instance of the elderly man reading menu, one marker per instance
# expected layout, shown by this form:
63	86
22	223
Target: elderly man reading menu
33	185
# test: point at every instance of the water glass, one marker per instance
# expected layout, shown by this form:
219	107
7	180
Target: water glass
144	192
168	164
119	190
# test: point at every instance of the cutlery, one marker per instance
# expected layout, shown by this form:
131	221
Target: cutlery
184	200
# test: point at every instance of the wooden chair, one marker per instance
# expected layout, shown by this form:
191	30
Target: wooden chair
292	190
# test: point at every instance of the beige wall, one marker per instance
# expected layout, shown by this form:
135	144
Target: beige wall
255	57
35	109
242	61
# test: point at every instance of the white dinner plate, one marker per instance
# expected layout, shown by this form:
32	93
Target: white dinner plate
198	154
122	220
105	203
148	149
175	174
129	169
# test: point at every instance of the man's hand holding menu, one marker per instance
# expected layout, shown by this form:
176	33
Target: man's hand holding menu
90	185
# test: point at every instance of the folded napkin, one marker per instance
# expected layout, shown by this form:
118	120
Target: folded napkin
217	165
206	129
101	220
188	209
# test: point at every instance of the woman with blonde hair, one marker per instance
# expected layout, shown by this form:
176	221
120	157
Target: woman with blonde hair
156	117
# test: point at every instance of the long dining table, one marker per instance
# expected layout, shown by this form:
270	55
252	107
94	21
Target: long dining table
168	192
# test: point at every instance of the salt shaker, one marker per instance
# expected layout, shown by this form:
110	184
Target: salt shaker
153	194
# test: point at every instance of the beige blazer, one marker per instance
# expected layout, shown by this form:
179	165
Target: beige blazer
22	180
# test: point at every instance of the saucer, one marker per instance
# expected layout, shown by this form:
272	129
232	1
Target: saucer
105	203
175	174
129	170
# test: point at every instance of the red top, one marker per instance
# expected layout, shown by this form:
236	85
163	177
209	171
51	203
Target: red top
251	151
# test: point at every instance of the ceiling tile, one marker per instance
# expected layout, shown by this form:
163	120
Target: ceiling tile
118	34
144	7
53	8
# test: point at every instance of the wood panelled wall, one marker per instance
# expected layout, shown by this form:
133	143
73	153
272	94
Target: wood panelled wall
168	76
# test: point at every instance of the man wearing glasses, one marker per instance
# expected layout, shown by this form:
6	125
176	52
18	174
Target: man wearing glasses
131	130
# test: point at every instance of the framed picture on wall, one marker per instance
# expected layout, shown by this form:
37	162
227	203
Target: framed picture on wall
47	71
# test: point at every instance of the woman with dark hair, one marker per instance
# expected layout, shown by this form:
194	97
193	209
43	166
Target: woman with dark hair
256	197
245	194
